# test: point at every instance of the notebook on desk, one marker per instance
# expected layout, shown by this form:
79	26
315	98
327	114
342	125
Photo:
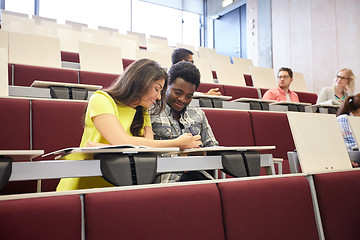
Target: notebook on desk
126	148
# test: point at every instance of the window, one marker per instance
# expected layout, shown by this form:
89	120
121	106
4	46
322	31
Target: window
166	22
157	20
106	13
191	29
20	6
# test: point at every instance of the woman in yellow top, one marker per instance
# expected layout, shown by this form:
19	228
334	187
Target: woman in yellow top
119	115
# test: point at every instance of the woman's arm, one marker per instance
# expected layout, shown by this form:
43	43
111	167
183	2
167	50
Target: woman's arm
111	129
148	132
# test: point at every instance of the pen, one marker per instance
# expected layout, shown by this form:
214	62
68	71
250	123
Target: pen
191	131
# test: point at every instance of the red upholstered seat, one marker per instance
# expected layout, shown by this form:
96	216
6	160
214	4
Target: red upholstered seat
56	125
15	124
248	80
70	57
205	87
307	97
263	91
10	74
231	128
338	196
177	213
41	218
25	75
127	62
241	92
96	78
214	74
279	208
272	129
15	135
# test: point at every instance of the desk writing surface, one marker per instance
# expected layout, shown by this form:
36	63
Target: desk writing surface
224	149
201	95
88	152
252	100
47	84
318	141
21	154
293	103
355	128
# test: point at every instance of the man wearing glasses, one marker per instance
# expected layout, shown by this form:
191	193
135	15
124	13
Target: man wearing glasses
282	92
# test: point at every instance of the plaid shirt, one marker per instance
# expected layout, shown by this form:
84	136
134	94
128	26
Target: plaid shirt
166	127
343	122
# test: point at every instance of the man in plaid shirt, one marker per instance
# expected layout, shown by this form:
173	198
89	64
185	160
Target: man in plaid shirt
179	118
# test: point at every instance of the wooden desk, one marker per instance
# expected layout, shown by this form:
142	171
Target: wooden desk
47	84
201	95
318	141
84	168
21	154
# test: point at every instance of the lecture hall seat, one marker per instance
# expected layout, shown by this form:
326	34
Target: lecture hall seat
70	57
205	87
177	213
25	75
248	80
307	97
41	218
230	127
97	78
240	92
276	208
273	129
337	196
56	125
15	130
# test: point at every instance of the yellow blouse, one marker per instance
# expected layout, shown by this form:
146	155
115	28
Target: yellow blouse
100	103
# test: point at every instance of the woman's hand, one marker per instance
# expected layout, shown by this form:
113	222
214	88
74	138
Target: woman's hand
188	141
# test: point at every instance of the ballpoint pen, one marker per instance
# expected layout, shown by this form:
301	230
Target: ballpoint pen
191	131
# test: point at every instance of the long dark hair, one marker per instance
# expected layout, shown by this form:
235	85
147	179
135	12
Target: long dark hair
350	104
134	83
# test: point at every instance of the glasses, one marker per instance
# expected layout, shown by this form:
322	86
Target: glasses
284	77
342	78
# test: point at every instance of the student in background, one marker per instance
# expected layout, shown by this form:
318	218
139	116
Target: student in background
185	55
344	86
282	92
350	107
179	118
119	115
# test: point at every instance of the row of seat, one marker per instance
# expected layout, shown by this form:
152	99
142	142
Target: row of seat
287	207
50	125
105	56
25	75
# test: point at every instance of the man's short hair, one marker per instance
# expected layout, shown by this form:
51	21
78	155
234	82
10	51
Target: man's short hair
290	72
186	71
180	54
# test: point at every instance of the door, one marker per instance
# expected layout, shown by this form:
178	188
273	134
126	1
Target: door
230	33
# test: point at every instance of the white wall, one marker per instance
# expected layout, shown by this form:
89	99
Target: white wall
317	38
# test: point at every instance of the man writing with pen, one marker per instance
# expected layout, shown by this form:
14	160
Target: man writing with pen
178	117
